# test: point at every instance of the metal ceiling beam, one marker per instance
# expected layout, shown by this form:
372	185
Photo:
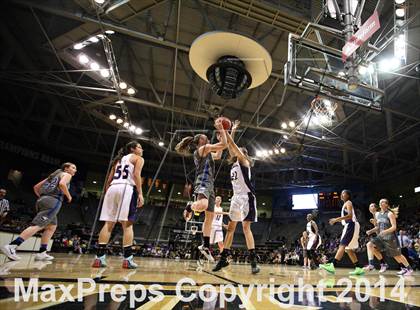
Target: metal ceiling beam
117	28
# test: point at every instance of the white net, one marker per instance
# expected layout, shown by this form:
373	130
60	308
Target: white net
324	110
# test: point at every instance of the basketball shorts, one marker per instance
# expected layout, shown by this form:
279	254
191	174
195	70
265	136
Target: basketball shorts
120	203
389	246
350	235
47	209
208	192
314	242
243	208
216	235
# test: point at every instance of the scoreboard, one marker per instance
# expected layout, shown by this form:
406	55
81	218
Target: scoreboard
329	200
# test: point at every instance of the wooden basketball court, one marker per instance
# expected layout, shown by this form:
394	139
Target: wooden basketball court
67	268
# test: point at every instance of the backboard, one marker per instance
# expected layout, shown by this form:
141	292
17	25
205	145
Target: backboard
319	69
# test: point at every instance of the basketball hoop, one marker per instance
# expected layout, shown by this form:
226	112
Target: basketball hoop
324	110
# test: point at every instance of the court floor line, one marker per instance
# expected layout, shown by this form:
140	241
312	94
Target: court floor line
223	278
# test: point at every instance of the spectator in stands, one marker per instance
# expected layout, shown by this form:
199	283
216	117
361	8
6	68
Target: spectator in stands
4	205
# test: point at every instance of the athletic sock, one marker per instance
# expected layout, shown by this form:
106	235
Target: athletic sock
225	253
101	249
127	251
43	248
382	261
371	262
252	257
206	242
18	241
401	265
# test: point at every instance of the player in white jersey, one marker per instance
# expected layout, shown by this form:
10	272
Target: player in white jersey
314	240
243	203
123	194
216	235
349	238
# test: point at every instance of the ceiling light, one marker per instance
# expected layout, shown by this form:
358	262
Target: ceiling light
104	73
179	193
400	12
389	64
94	182
263	203
276	151
284	125
285	137
270	152
159	190
93	39
83	59
99	1
78	46
362	70
292	124
112	116
132	128
119	101
341	73
282	150
139	131
264	153
259	153
123	85
401	196
109	31
161	143
94	66
119	121
131	91
399	1
126	124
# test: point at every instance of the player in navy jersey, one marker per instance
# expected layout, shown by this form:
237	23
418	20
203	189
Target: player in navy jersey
123	194
50	193
243	205
349	238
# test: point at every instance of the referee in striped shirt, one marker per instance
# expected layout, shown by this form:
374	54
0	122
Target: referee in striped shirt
4	205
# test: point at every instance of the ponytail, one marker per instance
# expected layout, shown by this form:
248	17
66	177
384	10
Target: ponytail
125	150
187	145
395	210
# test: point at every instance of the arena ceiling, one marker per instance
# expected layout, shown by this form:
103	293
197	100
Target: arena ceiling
50	100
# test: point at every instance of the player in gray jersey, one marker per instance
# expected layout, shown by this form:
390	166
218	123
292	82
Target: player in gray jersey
50	193
204	155
386	241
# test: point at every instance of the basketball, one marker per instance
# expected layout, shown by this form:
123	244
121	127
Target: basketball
227	124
